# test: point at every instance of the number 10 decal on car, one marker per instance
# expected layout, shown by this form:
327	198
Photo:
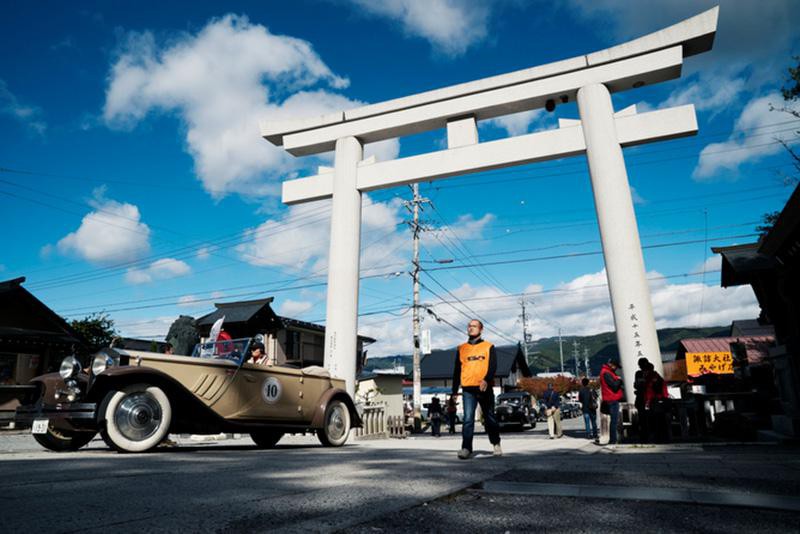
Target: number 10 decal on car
271	390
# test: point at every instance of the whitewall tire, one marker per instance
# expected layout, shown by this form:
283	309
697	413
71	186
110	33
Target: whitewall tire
137	418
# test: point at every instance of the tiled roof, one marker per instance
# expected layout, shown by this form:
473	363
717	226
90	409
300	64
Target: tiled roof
757	347
438	365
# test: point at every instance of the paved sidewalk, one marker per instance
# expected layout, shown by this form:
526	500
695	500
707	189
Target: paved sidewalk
678	488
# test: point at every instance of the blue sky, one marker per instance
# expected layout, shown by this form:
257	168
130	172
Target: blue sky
133	179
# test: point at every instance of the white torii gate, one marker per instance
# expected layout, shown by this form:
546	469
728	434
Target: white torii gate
600	133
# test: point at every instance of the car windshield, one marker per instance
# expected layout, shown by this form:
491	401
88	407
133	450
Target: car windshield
229	349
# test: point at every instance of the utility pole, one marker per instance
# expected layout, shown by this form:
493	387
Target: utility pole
561	350
525	335
414	207
586	360
575	355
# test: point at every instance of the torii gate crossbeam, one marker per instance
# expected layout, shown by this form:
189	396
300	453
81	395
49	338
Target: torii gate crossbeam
600	134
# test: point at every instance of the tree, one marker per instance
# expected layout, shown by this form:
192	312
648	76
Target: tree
791	95
768	220
183	335
97	329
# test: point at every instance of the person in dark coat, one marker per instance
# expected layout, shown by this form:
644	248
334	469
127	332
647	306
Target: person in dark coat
639	391
588	399
435	414
451	414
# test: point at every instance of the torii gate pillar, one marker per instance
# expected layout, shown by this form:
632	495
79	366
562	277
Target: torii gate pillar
341	341
619	234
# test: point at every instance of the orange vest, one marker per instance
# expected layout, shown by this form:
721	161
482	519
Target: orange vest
474	362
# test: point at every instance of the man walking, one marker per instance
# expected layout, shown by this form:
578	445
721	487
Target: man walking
474	369
552	403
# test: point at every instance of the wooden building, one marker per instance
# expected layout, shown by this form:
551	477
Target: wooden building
287	341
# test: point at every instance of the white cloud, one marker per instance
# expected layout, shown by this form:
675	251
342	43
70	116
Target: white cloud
580	306
158	270
713	264
221	82
154	328
30	116
519	123
293	308
465	227
203	253
188	301
748	142
451	26
112	232
299	240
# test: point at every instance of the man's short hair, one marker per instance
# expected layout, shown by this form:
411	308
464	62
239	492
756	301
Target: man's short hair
585	381
257	345
613	361
477	321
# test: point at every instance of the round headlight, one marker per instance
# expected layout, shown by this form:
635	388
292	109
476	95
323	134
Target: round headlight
69	367
100	363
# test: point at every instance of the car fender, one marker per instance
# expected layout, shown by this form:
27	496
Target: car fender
334	394
118	377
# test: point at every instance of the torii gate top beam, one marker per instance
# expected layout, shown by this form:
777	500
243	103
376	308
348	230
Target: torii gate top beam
522	90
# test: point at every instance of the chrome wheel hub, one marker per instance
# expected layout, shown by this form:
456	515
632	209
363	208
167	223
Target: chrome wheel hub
138	416
337	425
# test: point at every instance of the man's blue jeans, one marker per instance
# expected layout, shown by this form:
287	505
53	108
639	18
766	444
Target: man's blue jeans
613	406
471	401
590	418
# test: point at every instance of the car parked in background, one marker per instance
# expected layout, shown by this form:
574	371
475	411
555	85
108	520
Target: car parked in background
570	409
515	409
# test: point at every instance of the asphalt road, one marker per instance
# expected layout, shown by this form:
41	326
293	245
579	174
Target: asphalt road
370	486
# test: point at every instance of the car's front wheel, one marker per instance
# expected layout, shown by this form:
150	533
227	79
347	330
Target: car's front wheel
59	440
266	439
137	418
336	425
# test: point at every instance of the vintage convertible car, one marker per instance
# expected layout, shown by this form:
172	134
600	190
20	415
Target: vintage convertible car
514	409
135	399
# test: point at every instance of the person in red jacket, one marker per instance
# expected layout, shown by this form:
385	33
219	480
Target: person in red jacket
611	392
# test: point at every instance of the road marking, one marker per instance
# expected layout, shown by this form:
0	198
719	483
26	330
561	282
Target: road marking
648	493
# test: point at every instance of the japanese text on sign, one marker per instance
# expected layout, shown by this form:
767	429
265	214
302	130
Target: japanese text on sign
703	363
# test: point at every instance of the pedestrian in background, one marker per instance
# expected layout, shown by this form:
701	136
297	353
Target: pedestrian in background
588	399
657	405
473	371
552	403
435	414
611	392
639	391
451	414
